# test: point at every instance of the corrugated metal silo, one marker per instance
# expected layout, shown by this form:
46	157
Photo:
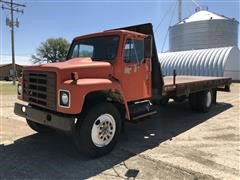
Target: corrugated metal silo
203	30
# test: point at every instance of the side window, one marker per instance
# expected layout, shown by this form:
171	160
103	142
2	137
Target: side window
134	51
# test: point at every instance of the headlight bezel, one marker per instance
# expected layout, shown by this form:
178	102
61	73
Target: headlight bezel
60	99
19	90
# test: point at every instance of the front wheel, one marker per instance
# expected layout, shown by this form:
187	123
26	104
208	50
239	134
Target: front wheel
96	133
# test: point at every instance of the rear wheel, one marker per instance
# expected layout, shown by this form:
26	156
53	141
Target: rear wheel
38	127
96	133
205	101
193	101
180	99
201	101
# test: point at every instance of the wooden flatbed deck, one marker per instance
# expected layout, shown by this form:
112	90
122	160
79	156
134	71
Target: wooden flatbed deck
185	85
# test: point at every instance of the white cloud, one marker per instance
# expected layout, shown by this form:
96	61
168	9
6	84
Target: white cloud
22	60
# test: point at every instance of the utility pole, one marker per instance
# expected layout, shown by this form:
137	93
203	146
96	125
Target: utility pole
12	7
179	10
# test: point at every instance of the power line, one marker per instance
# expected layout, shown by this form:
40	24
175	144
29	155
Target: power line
179	10
164	17
17	8
196	3
189	8
170	22
12	3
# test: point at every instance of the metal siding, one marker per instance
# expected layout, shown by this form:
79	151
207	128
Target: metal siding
203	34
205	62
232	68
224	60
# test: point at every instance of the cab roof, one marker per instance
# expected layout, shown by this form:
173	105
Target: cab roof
109	32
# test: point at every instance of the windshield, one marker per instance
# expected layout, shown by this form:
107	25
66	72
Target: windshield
97	48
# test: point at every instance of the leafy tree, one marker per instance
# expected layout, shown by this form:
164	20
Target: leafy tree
51	50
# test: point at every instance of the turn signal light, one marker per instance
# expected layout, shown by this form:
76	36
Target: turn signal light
74	76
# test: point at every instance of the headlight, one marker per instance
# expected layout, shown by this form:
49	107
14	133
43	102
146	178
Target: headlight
64	98
19	89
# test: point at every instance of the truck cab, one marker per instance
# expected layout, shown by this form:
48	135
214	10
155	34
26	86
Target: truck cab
108	78
126	56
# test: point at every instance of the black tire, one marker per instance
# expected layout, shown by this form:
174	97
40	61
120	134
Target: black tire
83	130
193	98
162	102
180	99
204	102
201	101
38	127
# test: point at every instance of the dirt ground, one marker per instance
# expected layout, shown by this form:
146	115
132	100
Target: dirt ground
175	144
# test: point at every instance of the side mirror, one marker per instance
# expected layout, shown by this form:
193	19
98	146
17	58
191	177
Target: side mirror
148	47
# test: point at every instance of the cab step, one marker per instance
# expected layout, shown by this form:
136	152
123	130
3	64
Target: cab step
141	109
144	115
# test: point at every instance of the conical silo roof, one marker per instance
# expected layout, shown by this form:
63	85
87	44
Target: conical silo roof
203	15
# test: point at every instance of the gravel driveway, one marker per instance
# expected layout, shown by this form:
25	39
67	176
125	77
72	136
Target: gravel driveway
175	144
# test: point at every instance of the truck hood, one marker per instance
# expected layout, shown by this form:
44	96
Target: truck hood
86	68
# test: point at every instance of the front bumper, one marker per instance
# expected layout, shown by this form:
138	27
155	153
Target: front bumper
45	117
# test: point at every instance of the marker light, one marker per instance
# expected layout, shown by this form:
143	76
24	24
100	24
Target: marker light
74	76
19	89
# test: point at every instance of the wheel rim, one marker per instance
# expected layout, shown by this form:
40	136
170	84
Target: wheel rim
103	130
209	99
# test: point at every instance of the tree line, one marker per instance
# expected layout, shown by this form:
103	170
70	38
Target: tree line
51	50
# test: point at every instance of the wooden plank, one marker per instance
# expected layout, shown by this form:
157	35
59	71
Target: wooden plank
190	84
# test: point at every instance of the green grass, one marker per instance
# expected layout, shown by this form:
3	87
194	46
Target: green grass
8	89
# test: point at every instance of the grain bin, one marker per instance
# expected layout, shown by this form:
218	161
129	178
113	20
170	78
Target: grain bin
203	30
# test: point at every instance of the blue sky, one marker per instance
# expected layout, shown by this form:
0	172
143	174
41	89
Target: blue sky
43	19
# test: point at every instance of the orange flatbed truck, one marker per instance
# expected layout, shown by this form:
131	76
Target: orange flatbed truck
108	78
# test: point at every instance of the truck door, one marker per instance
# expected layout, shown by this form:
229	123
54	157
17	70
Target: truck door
136	80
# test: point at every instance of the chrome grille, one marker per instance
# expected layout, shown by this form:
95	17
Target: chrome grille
39	88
